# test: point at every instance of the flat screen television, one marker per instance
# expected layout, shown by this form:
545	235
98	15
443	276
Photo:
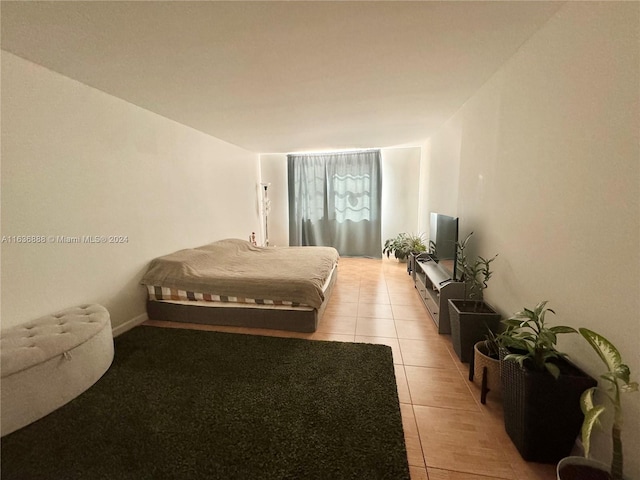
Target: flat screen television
443	235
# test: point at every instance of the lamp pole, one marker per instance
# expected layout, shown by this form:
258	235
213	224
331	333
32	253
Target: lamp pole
265	212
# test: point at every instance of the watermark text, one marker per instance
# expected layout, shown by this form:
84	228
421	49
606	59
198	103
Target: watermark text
65	239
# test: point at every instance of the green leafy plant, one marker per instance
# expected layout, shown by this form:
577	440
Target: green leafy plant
404	244
493	343
416	243
528	333
474	274
617	380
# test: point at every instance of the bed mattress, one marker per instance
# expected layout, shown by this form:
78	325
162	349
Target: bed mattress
235	269
232	282
267	316
159	293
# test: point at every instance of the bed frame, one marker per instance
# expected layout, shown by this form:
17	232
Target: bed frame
298	320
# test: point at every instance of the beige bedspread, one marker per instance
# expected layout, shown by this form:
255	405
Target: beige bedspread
236	268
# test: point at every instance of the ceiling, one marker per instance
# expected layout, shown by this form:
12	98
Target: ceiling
277	77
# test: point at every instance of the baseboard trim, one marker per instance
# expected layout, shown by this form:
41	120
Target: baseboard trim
129	324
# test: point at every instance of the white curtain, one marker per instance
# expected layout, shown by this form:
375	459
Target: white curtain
334	200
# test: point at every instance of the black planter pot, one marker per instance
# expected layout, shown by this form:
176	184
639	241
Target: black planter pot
469	323
581	468
542	414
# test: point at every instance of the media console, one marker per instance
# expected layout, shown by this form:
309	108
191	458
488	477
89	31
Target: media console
435	287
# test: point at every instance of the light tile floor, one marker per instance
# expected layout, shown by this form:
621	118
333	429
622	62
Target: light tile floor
449	434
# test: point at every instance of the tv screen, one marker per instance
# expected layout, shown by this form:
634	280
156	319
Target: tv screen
443	235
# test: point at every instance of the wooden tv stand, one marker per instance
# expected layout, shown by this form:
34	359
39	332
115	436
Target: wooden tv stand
435	287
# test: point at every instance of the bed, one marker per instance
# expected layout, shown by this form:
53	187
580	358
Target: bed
232	282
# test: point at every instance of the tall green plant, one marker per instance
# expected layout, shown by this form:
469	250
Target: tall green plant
475	274
617	380
527	332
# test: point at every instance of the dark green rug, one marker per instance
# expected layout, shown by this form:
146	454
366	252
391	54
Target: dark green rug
184	404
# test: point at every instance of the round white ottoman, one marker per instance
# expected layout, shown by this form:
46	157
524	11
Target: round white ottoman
49	361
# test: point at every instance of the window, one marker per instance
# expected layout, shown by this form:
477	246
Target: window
335	200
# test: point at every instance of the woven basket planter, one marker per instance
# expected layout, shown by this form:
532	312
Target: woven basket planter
491	382
542	414
469	323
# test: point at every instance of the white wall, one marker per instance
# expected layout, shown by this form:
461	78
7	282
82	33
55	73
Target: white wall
76	161
400	191
545	163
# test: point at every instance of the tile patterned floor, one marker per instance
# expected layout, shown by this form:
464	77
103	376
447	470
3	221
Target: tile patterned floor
449	434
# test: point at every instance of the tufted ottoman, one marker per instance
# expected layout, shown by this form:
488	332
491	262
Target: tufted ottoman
49	361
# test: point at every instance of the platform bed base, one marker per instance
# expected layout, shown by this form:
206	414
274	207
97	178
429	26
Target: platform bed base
292	320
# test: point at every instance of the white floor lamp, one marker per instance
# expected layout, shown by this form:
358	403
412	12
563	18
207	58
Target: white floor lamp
266	206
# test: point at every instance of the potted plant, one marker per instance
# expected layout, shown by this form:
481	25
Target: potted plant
404	244
417	246
471	316
485	365
616	380
541	389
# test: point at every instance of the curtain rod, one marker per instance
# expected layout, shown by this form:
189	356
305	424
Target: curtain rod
336	152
